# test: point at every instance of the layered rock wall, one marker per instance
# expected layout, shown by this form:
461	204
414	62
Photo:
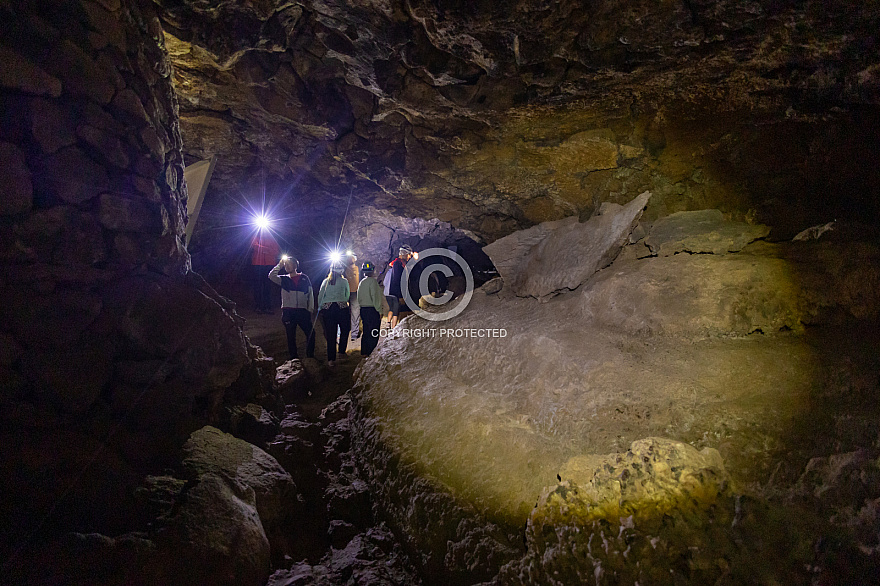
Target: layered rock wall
112	349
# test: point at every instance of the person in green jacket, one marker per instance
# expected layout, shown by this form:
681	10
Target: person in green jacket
333	301
370	297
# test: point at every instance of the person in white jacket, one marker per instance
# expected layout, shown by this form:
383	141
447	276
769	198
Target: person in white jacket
297	304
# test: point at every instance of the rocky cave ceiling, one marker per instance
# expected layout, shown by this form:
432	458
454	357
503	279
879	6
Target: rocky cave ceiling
495	115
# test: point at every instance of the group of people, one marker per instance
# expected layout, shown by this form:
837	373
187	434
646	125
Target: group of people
346	297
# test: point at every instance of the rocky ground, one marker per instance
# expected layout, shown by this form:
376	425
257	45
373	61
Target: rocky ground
336	539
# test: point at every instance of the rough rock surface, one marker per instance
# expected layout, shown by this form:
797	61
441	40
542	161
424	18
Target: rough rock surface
497	116
635	490
254	424
114	350
371	559
289	379
212	452
216	535
571	254
650	478
771	289
473	429
701	232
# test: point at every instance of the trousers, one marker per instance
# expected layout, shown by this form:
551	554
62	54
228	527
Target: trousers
372	321
336	317
291	318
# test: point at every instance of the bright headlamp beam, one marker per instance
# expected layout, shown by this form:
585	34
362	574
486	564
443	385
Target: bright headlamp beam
335	257
262	222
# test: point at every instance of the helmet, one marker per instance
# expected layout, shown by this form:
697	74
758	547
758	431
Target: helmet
368	267
405	249
337	268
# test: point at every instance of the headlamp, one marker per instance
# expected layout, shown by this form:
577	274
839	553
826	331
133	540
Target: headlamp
335	257
262	222
284	257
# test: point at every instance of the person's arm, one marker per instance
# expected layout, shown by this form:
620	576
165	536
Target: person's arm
273	274
347	288
310	303
379	297
322	292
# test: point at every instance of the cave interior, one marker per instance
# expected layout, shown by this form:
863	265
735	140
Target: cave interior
663	366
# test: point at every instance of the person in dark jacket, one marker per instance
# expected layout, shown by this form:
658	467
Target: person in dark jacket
398	281
297	304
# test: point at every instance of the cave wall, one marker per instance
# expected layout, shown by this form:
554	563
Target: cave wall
752	162
496	116
112	349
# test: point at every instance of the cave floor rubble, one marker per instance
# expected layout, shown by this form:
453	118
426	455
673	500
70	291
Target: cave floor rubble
337	538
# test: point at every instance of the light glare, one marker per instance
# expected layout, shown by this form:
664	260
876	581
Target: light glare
262	222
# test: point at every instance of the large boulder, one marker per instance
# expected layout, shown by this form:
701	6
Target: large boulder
507	253
460	427
215	536
569	252
209	451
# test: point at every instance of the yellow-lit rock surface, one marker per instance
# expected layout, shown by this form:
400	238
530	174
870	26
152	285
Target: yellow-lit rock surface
740	353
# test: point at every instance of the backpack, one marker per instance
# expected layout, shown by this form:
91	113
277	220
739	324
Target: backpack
386	282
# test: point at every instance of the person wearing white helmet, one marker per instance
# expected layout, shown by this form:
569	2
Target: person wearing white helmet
333	300
398	281
297	304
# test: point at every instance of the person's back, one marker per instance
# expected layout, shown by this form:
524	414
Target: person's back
370	298
369	293
333	301
297	304
386	281
334	289
265	250
353	276
397	269
264	255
